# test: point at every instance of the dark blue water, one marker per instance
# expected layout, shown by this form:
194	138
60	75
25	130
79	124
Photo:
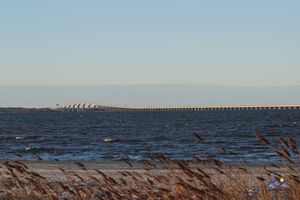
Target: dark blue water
136	136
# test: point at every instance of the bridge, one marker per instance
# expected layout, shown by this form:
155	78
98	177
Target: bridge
102	108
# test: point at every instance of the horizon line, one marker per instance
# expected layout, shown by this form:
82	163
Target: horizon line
153	84
160	107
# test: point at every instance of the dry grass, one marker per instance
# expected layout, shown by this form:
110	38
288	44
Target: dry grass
177	180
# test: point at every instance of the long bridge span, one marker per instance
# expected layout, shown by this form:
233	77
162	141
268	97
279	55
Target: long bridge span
102	108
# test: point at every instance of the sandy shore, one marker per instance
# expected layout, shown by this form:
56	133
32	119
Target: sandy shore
53	171
123	180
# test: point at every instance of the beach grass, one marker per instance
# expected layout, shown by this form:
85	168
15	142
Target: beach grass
162	178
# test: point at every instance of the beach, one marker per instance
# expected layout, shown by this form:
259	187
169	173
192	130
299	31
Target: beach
124	180
52	170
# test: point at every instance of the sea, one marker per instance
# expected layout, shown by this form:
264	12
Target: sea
116	136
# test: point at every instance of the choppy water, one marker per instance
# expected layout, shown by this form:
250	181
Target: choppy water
110	137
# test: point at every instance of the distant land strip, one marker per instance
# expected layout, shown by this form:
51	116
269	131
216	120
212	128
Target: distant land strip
95	107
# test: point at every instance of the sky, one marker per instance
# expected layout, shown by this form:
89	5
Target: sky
221	44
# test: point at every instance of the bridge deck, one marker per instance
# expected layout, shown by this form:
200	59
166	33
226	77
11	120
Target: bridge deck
94	107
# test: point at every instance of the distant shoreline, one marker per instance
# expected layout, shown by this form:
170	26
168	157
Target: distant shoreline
21	109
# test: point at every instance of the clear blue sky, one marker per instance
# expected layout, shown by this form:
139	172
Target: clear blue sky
222	43
72	42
